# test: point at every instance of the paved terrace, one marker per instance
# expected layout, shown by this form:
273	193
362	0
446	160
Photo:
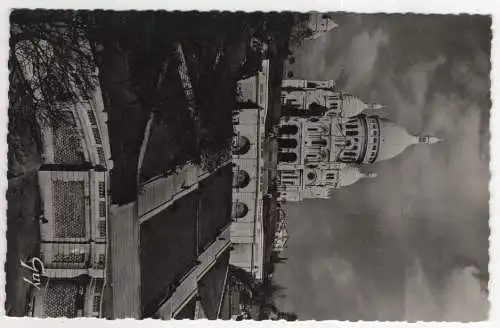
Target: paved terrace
159	245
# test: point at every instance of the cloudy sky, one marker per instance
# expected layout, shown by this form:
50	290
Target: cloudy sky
413	243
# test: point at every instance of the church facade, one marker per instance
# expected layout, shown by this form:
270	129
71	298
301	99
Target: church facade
325	137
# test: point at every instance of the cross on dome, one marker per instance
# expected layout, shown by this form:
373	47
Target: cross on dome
429	140
375	106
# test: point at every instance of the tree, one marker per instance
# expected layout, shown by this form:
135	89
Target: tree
301	30
288	316
51	67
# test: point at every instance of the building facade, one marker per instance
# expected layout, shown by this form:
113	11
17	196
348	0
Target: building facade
250	179
74	184
327	137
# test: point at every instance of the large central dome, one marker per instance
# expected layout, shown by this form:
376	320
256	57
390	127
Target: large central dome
394	139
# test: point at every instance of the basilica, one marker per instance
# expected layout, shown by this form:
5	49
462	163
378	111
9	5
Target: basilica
325	136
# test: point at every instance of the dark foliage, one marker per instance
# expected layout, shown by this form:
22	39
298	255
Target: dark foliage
51	67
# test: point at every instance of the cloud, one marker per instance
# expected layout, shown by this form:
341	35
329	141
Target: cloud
334	275
359	62
418	78
310	58
429	204
461	298
431	179
336	269
470	75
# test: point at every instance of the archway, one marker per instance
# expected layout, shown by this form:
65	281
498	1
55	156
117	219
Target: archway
239	210
241	145
241	179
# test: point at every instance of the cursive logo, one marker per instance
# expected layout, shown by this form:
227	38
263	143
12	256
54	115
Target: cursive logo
37	271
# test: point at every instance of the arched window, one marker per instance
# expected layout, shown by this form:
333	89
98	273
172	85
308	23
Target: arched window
352	133
241	179
241	145
287	143
321	142
287	157
239	210
288	129
315	106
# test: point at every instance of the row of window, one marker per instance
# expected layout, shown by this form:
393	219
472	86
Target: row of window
350	154
101	225
330	176
78	258
97	137
321	142
102	189
102	157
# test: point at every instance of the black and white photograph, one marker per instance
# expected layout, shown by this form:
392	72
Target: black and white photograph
231	165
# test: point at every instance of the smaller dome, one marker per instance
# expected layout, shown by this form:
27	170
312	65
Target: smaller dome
353	106
350	174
